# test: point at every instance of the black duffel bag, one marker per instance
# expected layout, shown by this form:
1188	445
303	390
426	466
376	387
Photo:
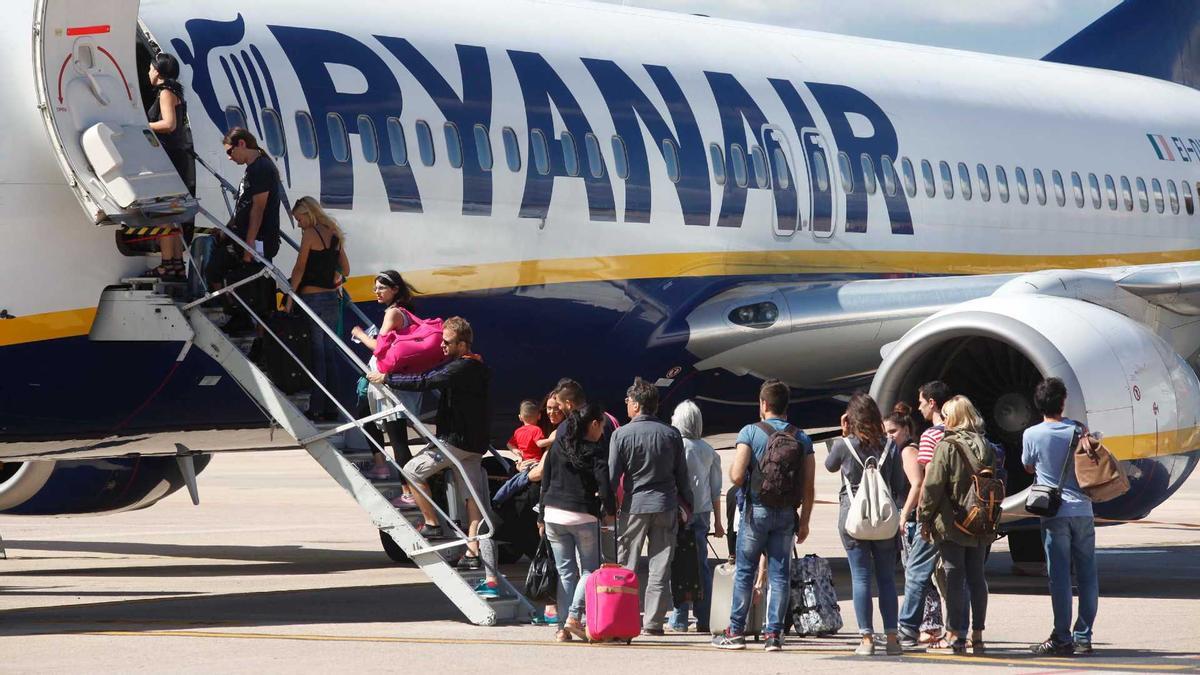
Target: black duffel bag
541	581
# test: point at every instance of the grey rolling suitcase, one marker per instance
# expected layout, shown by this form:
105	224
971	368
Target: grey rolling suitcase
722	601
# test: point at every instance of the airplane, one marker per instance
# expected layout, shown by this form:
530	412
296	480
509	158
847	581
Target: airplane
607	192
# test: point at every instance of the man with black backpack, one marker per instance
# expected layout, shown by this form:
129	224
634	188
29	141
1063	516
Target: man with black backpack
774	464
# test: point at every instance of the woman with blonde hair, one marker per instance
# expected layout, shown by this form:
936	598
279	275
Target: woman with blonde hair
321	268
947	480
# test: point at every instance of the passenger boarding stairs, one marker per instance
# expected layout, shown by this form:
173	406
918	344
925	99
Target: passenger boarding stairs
146	310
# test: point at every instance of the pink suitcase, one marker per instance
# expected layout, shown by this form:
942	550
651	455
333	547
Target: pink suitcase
613	608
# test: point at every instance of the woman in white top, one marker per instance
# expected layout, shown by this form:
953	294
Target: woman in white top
704	475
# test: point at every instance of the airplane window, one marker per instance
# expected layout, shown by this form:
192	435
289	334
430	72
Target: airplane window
1143	195
964	181
483	147
889	175
718	163
595	161
541	153
1002	184
1188	204
846	172
781	169
910	177
738	157
1060	191
821	170
454	150
339	142
1039	186
273	132
947	179
621	158
570	157
868	169
425	143
1159	204
1077	190
761	178
397	142
306	133
985	186
235	117
671	157
927	174
368	138
1110	189
1127	193
1094	187
1173	197
1022	186
512	149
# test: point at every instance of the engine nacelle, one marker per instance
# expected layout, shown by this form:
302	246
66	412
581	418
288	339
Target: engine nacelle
1122	379
89	486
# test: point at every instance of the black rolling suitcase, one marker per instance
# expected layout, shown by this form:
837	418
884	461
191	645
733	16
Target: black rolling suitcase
293	330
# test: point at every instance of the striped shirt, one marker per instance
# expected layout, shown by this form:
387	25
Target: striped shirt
929	441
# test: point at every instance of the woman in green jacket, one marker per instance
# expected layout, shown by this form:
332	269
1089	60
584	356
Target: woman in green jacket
947	481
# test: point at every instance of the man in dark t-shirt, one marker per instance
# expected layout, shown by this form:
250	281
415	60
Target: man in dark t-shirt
256	216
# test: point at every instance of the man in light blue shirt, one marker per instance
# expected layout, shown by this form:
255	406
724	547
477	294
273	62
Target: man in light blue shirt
1069	536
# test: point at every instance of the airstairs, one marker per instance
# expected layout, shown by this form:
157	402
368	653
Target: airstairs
148	310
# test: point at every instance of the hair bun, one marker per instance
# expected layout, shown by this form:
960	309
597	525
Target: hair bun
902	408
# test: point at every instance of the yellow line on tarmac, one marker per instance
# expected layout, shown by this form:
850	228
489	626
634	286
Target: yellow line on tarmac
1080	662
418	640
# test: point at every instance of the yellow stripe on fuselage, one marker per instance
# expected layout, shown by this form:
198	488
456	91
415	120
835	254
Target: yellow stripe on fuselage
489	276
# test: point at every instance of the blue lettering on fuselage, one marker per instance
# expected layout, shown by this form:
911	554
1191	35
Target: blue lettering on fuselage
310	52
737	109
628	104
838	102
542	88
473	108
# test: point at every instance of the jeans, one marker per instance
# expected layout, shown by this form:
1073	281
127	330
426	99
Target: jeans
766	530
511	488
964	564
324	353
1072	540
878	559
679	618
659	530
918	579
567	542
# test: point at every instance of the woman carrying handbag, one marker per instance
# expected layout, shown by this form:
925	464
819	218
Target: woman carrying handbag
575	492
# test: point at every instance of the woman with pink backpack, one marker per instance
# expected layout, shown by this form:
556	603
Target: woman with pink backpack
402	345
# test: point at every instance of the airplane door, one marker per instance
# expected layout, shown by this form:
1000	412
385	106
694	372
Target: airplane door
823	211
87	82
787	217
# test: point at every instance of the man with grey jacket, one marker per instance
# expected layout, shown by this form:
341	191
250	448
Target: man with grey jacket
646	462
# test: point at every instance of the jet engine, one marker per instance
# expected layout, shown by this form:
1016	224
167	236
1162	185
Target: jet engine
89	486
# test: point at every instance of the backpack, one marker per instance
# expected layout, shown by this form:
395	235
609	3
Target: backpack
978	512
872	515
782	468
413	349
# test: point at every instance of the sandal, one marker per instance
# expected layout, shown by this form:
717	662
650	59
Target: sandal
575	629
944	646
562	636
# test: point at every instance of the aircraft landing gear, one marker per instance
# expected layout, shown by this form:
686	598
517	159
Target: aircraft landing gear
1028	556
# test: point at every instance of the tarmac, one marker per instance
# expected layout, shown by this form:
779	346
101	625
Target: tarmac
277	570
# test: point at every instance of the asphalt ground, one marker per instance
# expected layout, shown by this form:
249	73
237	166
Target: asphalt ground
277	570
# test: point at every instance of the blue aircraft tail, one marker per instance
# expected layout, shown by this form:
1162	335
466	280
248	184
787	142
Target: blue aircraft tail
1156	38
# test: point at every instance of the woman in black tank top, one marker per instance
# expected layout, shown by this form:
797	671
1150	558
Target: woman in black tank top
321	269
168	120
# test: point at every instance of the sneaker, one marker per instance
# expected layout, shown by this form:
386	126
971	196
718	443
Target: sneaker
653	632
430	531
470	563
865	649
379	473
670	628
1053	647
404	502
1084	648
551	617
539	619
909	641
487	589
772	642
728	640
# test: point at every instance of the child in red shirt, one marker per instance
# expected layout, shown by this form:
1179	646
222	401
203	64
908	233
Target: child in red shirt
524	440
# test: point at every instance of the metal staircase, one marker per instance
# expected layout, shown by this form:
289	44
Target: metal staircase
144	310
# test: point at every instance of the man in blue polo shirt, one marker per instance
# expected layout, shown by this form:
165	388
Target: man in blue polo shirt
1069	536
765	528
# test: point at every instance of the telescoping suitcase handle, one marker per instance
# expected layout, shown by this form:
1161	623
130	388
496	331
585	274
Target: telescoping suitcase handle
616	538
